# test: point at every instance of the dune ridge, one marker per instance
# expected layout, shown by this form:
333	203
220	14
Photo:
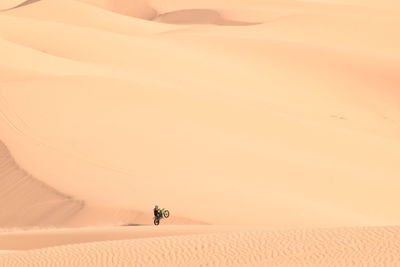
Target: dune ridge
26	201
11	4
136	8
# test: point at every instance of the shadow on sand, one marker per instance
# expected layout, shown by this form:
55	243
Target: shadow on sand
134	224
25	3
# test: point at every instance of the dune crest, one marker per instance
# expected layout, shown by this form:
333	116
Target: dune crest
134	8
25	201
150	10
10	4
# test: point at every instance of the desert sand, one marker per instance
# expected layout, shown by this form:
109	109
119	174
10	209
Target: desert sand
207	247
270	130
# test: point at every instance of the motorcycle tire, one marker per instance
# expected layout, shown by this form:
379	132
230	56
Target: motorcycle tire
166	213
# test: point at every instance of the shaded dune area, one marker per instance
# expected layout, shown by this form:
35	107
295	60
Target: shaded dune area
12	4
27	3
149	11
26	201
198	16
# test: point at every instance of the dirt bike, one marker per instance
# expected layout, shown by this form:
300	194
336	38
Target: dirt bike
162	213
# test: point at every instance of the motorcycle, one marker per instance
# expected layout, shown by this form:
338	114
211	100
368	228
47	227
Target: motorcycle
162	213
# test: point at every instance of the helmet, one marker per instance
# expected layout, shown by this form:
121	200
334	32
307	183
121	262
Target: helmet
156	207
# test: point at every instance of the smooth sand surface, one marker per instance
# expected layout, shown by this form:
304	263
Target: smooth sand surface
281	114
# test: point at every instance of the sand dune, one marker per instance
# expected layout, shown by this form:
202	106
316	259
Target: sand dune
233	120
84	15
25	201
28	202
336	247
280	114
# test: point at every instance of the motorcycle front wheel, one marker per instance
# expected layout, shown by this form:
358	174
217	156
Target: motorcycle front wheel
166	213
156	221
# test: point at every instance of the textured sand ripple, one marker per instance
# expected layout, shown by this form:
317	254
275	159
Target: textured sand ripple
338	247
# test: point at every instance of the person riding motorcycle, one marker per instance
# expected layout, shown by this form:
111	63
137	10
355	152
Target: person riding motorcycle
159	214
156	211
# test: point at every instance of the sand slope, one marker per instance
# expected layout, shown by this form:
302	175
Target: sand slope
302	107
25	201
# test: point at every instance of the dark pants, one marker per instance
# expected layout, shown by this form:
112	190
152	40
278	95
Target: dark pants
156	214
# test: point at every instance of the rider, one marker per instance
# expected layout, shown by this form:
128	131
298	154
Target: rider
156	211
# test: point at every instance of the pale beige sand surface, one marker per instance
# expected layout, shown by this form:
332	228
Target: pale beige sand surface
14	239
27	202
281	114
377	246
6	251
